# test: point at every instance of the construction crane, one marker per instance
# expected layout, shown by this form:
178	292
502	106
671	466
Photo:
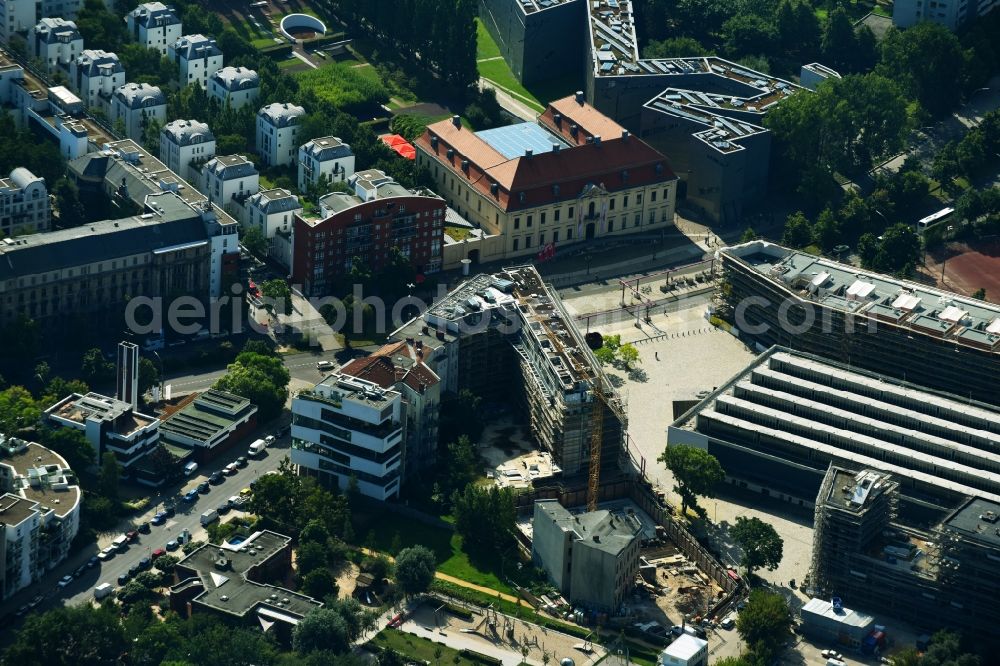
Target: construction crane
596	442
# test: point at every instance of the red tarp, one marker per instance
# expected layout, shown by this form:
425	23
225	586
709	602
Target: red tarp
403	147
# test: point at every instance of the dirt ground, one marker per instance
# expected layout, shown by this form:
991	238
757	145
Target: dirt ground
681	592
967	267
347	579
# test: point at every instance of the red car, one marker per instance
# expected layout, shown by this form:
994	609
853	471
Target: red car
158	552
132	536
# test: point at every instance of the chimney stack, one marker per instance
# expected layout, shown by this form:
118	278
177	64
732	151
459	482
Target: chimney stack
625	134
579	97
597	140
528	152
555	147
456	120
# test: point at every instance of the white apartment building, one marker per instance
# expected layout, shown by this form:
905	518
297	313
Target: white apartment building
154	25
184	146
277	127
952	14
229	178
16	16
235	86
95	76
24	204
271	211
67	9
39	512
198	58
346	427
56	42
327	156
109	424
136	104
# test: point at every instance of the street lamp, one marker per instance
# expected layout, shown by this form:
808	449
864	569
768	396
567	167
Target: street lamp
158	358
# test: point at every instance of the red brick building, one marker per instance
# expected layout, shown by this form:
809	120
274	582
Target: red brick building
380	215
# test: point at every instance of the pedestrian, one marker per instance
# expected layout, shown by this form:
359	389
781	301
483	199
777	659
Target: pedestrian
657	355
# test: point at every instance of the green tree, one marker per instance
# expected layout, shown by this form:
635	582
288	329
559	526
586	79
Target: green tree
319	584
149	375
71	210
261	379
280	295
749	235
629	355
798	231
254	241
747	34
980	294
99	25
604	355
826	230
485	518
110	476
87	636
95	369
675	47
765	622
311	557
70	444
331	628
18	410
760	543
166	563
415	568
934	82
463	464
899	250
868	248
696	472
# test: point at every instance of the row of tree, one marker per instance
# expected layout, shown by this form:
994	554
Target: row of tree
969	157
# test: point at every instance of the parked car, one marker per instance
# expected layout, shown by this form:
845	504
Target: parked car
241	461
169	512
325	365
171	545
80	570
728	622
216	478
235	501
93	562
246	493
145	563
133	570
283	430
269	440
106	554
122	578
158	553
191	496
159	518
64	581
223	508
143	528
230	469
132	535
203	487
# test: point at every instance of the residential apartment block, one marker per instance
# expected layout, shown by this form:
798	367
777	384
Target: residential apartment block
871	321
16	16
380	215
575	175
593	557
136	104
95	75
228	179
952	14
277	127
56	42
39	512
347	427
235	86
198	58
24	204
934	572
506	336
327	156
185	145
110	424
155	26
271	211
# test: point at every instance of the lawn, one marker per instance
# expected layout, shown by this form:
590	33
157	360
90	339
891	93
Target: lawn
499	73
485	46
458	233
419	649
380	528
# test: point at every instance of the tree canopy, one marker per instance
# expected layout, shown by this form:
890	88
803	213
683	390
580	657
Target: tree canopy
760	543
263	380
485	516
415	568
695	470
765	622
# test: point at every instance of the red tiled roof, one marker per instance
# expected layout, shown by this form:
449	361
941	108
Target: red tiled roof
586	117
572	169
381	368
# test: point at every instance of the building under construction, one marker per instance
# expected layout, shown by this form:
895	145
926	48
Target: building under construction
933	577
507	334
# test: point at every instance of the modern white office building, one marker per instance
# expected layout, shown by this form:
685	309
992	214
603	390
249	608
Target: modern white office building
227	179
24	204
110	424
184	146
136	104
95	76
347	427
39	512
235	86
952	14
198	58
327	156
56	42
154	25
277	127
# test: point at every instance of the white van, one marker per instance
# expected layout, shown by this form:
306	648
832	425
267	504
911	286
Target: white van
325	365
102	590
120	543
256	448
190	468
209	517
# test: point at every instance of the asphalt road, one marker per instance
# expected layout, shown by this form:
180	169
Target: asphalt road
300	366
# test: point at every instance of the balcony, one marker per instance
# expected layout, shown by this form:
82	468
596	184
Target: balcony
308	394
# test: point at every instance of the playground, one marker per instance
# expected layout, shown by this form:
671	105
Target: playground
509	639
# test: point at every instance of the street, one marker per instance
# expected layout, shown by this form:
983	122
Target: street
301	366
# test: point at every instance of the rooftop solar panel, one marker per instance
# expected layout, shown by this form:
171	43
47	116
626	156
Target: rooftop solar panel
512	141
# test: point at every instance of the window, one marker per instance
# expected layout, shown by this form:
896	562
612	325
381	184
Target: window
555	236
638	219
516	244
625	202
666	194
652	196
527	241
611	226
517	223
638	199
569	233
555	215
530	219
542	219
611	203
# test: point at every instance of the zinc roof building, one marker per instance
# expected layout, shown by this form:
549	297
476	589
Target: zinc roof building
209	423
897	328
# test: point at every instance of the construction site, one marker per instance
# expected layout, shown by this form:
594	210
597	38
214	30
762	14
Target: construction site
942	575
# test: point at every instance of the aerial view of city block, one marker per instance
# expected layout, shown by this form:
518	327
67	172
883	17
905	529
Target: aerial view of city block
499	332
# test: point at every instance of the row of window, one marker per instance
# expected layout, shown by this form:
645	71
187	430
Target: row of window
569	230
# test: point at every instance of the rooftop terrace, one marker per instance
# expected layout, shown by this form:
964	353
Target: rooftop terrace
39	475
